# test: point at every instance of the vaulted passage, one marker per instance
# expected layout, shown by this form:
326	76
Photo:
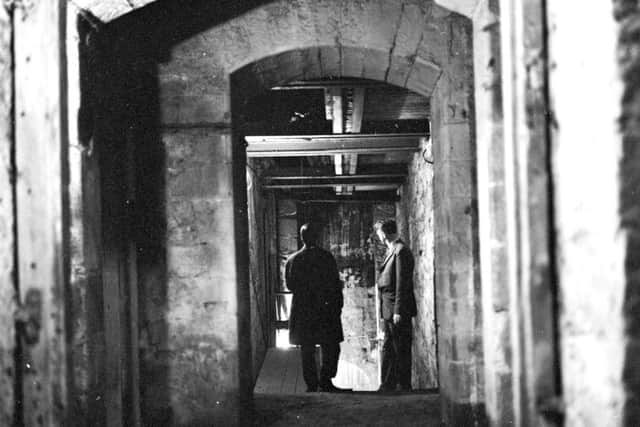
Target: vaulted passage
159	158
226	173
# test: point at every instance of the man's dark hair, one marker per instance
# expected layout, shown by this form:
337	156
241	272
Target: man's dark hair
309	233
387	226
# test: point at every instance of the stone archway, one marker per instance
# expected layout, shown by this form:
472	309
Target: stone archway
417	45
168	100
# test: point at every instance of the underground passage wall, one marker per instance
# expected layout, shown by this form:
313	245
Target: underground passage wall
194	273
263	270
415	223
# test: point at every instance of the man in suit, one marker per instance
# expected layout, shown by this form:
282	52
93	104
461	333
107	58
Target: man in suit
312	275
397	307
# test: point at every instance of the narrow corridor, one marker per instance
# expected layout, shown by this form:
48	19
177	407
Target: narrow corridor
158	159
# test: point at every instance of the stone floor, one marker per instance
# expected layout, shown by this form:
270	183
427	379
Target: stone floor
348	409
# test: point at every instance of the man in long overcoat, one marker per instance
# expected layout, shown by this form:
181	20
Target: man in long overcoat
312	275
397	307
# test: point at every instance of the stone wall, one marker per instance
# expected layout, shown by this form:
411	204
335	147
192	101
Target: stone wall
455	223
415	220
261	304
198	49
495	249
202	342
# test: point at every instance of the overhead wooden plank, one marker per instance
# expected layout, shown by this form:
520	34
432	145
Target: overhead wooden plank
326	145
41	143
7	238
357	110
337	124
324	195
344	188
393	103
325	84
386	181
356	125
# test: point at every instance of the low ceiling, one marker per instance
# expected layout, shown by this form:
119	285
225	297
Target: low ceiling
341	138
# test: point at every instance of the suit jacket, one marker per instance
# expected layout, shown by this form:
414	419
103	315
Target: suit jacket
395	282
312	275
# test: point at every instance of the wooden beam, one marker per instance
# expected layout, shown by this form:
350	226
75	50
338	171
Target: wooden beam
326	84
356	125
328	181
343	188
328	145
337	124
358	109
326	194
42	208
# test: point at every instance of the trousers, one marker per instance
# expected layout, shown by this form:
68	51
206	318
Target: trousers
396	354
330	353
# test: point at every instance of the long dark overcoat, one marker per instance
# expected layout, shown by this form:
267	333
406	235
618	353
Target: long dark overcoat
312	275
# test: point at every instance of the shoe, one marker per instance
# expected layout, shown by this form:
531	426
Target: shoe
405	388
330	388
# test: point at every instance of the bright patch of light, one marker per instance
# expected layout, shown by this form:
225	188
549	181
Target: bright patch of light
282	338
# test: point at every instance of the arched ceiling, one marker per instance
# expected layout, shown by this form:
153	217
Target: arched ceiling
108	10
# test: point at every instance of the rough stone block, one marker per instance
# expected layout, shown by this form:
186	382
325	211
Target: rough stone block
196	146
459	144
460	178
378	24
192	221
499	273
330	60
375	64
423	77
399	70
195	109
192	261
497	206
501	338
204	181
460	374
311	67
353	61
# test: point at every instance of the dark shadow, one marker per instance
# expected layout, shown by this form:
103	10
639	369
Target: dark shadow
121	112
165	23
123	190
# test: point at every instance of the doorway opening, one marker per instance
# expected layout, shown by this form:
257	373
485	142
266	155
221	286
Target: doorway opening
342	153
